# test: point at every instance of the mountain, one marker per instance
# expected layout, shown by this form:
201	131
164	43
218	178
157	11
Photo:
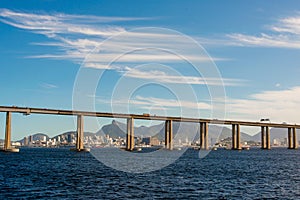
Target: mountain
74	133
275	133
149	131
114	130
183	131
118	129
36	136
188	130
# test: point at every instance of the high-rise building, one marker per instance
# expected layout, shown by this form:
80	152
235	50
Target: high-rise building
30	139
69	138
154	141
146	140
25	141
276	142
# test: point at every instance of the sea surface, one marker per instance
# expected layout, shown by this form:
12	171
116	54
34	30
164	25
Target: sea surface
224	174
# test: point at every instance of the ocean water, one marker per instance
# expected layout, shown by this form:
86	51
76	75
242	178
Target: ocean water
223	174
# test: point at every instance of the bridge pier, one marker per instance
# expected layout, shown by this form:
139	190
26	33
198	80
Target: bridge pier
202	142
290	145
168	135
295	142
204	135
265	137
130	134
7	142
292	138
236	135
233	143
80	136
268	138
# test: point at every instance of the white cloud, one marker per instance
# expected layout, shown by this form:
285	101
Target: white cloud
140	102
48	86
54	24
265	40
278	105
288	25
75	35
78	35
151	101
84	38
285	34
163	77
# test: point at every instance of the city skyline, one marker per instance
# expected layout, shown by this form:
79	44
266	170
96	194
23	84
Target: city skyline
254	47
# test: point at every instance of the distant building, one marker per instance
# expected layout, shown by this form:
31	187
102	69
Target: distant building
25	141
30	139
146	140
153	141
276	142
285	142
69	138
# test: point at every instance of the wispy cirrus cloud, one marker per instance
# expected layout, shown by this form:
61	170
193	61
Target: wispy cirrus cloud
150	103
171	103
48	86
265	40
55	24
284	34
97	42
163	77
288	25
75	35
78	35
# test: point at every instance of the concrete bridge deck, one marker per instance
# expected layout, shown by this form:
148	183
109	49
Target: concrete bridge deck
28	111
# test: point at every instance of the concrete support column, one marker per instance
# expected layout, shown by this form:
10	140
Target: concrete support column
290	146
168	135
130	134
171	135
206	135
7	142
233	137
79	139
263	142
295	142
268	138
265	137
238	137
202	142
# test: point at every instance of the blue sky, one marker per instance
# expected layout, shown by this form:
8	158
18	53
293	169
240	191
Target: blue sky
57	54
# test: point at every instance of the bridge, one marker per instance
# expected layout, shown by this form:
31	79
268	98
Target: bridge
203	123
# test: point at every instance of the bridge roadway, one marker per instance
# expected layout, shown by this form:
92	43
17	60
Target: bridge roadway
203	125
